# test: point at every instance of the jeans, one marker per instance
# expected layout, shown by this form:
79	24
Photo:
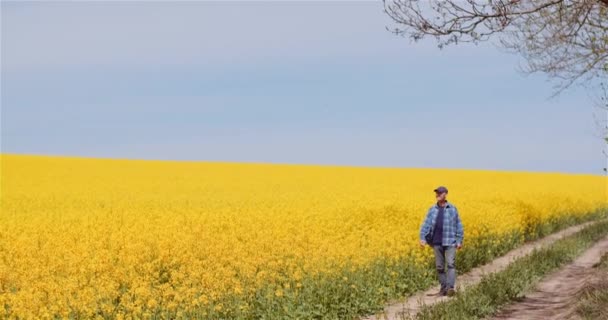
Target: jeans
445	255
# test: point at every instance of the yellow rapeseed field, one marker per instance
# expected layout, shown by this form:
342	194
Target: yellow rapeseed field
86	238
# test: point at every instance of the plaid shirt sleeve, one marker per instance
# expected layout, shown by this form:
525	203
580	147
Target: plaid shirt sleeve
459	228
426	226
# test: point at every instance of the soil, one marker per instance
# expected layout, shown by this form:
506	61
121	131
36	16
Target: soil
556	296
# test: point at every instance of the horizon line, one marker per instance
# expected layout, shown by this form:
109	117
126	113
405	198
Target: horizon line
233	162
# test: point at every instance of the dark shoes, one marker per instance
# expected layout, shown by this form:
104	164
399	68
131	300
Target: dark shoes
445	292
441	293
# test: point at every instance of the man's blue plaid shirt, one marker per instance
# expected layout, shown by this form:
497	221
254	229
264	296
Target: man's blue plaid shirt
453	232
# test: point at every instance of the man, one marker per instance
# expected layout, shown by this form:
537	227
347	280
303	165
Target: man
442	229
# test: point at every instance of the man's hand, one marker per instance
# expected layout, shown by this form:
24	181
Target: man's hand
458	246
422	243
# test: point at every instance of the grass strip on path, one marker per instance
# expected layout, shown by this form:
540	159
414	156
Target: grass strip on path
497	289
593	303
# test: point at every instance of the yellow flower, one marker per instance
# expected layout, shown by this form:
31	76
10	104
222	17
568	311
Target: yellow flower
169	237
152	303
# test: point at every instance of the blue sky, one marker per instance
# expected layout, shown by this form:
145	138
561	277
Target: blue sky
296	82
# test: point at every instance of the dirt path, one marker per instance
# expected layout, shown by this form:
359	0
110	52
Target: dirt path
556	295
411	306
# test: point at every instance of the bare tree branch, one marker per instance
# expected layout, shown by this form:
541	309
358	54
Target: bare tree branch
565	39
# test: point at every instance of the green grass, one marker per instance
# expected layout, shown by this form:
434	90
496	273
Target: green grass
593	303
352	291
498	289
369	288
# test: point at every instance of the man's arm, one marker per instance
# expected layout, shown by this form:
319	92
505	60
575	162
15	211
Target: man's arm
426	226
459	229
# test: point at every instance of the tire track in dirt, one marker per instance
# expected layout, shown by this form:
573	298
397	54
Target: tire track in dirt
555	296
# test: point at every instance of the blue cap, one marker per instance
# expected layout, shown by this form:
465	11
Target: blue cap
441	189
